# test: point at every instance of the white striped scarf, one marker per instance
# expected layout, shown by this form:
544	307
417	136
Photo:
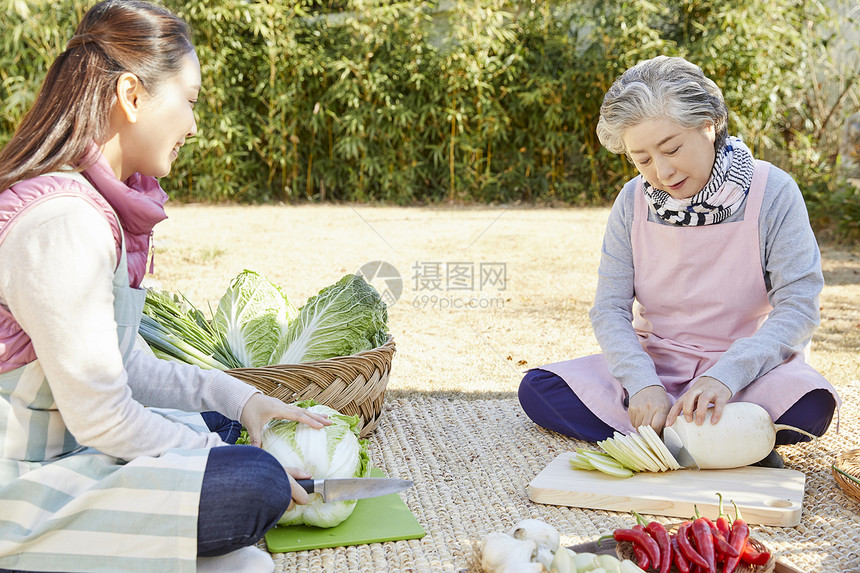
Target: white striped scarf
721	197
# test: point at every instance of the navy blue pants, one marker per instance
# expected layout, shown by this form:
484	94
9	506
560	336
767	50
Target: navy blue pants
245	492
549	402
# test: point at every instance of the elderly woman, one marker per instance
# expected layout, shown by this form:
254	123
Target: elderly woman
708	282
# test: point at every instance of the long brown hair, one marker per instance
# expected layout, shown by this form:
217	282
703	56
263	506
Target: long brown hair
73	106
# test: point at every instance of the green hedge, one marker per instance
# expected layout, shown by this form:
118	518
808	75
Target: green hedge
472	101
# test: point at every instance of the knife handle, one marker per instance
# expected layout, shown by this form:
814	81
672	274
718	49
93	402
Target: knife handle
307	484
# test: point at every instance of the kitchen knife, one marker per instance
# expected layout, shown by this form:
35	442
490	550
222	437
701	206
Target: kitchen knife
676	448
340	489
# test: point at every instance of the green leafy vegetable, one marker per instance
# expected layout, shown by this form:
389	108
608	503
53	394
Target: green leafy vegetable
334	451
256	325
343	319
253	315
175	330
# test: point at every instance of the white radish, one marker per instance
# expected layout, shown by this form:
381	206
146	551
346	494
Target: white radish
744	435
563	561
610	563
628	566
586	561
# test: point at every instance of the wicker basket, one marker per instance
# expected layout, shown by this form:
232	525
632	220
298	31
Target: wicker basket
352	385
848	462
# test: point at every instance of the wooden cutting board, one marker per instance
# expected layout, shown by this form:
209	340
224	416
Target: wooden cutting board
766	496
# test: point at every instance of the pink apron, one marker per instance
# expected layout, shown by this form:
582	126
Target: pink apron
718	267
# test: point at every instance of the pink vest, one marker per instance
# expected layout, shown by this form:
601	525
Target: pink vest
138	203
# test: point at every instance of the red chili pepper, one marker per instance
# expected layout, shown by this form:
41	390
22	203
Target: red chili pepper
754	557
661	536
738	540
687	549
642	539
641	557
678	557
722	522
638	550
721	545
705	542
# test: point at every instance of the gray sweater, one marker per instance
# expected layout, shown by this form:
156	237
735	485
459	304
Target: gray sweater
791	265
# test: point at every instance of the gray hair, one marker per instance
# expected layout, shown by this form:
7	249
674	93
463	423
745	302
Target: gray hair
661	88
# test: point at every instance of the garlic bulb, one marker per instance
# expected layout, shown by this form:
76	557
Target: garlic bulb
533	546
543	534
501	553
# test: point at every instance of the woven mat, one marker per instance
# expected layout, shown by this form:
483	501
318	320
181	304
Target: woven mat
471	461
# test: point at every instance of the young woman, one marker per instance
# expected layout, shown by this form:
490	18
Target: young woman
709	276
92	478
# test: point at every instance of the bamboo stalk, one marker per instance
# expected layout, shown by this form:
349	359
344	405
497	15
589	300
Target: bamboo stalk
451	160
308	184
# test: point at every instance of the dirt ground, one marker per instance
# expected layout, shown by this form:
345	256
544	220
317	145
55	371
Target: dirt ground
484	292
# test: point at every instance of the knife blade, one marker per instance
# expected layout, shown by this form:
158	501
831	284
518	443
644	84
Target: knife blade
676	448
340	489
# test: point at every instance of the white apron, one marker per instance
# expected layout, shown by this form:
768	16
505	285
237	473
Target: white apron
718	267
64	507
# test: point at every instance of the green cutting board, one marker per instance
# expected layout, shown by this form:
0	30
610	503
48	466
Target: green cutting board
374	520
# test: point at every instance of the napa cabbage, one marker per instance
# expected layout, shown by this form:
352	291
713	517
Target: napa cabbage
253	315
343	319
334	451
256	325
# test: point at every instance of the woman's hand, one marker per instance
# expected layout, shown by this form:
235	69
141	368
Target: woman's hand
260	408
698	398
649	407
298	493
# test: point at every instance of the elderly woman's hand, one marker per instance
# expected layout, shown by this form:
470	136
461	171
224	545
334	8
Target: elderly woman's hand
260	408
698	398
648	407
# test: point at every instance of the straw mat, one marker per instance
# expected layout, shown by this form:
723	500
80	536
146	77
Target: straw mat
471	461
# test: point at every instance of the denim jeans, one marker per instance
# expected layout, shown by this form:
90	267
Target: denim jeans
245	492
228	429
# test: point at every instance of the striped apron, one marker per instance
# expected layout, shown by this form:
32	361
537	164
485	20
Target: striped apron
69	508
